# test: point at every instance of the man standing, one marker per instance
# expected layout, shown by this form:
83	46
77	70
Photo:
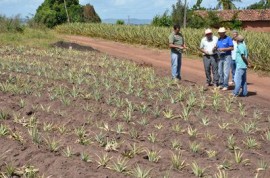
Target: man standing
241	68
233	63
177	45
224	47
210	57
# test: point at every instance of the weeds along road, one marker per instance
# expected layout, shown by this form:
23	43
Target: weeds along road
192	70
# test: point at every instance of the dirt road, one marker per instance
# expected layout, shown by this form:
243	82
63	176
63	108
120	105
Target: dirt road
192	70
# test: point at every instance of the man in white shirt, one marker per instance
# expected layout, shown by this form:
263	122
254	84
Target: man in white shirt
233	64
210	57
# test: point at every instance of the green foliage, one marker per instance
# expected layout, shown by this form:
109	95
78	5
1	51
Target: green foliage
213	20
38	38
227	4
234	23
10	24
195	21
120	22
197	6
164	20
53	12
257	42
178	10
262	4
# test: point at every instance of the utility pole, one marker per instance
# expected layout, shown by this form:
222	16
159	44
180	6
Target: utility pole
185	15
179	3
70	46
66	11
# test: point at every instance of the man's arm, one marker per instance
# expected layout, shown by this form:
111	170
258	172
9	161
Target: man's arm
201	48
175	46
244	59
226	49
230	44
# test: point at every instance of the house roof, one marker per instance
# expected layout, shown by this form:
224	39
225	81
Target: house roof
243	15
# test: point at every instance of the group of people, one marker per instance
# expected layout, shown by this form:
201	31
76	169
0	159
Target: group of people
221	56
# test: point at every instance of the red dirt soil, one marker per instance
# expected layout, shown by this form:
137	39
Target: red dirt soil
192	70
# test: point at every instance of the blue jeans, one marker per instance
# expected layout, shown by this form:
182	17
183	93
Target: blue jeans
176	60
224	66
240	80
233	68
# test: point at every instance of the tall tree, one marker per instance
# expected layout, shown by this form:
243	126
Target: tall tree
262	4
227	4
55	12
197	6
178	10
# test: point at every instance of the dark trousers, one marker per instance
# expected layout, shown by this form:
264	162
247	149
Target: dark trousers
211	62
233	67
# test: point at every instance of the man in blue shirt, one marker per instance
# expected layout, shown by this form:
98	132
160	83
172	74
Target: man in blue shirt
224	48
241	61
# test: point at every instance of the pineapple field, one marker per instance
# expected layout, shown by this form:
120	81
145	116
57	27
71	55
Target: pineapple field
82	113
157	37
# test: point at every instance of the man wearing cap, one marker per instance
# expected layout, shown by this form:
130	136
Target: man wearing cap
233	64
240	78
210	57
224	47
177	45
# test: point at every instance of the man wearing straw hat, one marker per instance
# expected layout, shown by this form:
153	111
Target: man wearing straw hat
241	61
224	47
210	57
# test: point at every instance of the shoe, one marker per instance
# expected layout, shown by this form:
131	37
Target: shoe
225	89
215	86
233	95
208	85
175	81
220	87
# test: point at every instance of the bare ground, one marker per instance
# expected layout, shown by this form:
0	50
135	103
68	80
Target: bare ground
192	70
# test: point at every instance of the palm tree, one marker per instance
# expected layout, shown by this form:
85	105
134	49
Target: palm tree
227	4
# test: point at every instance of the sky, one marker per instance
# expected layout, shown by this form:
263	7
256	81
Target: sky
116	9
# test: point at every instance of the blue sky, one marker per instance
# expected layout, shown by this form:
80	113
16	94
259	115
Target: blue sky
118	9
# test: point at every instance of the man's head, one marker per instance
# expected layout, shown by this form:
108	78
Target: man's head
239	39
234	34
208	33
176	28
222	32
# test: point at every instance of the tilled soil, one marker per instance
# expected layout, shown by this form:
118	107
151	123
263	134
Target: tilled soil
192	70
32	98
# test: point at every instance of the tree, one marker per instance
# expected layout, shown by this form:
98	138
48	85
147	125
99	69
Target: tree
195	21
227	4
54	12
178	10
263	4
120	22
197	6
164	20
213	20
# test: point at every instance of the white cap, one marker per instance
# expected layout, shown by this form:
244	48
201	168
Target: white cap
208	31
221	30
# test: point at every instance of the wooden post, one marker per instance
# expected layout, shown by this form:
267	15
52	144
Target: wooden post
185	15
66	11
